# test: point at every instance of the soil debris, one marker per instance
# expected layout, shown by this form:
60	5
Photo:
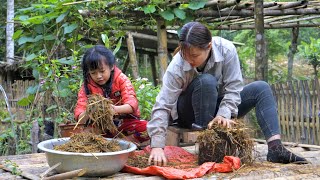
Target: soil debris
89	143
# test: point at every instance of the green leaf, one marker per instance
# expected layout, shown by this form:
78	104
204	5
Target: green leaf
23	18
37	38
24	40
52	107
26	101
149	9
30	57
66	61
167	14
70	28
49	37
61	17
194	5
17	34
32	89
35	73
62	93
36	20
179	13
105	40
118	46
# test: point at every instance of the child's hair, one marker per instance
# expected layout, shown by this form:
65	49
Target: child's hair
193	34
92	60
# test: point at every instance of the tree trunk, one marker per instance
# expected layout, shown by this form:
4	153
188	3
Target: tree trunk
9	32
132	56
261	63
162	47
9	39
292	51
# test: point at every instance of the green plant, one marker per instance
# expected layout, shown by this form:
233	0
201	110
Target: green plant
13	166
146	94
310	51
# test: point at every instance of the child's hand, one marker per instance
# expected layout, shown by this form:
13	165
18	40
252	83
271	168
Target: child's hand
114	109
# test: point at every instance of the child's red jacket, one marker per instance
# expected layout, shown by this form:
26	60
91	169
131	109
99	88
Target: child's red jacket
122	92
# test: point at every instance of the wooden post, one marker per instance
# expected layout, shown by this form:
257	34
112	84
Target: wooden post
132	56
261	63
292	51
162	47
35	136
153	69
126	64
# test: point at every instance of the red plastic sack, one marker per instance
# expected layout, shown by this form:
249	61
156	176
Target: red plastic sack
186	167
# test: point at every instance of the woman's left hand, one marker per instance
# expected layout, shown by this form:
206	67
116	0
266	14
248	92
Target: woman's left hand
223	121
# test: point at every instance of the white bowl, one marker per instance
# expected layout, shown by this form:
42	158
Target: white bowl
107	163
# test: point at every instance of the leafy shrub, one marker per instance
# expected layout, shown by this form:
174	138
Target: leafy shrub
146	94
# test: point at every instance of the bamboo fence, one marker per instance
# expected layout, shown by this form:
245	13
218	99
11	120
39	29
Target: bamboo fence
298	109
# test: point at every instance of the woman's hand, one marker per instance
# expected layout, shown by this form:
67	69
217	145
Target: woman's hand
223	121
158	157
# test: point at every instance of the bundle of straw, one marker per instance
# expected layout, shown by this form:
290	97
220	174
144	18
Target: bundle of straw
100	111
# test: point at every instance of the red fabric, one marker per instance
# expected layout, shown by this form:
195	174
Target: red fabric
121	84
136	127
185	168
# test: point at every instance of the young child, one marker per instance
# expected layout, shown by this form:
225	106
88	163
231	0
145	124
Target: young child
101	76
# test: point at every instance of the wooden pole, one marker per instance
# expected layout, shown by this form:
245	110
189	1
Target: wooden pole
261	63
266	26
126	64
35	136
249	13
292	51
132	56
153	69
67	175
162	47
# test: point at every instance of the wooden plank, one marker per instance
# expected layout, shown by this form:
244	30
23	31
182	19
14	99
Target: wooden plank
292	144
293	111
313	111
300	117
307	113
173	138
190	137
283	119
317	123
296	112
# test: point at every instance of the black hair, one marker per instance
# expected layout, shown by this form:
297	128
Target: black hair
92	60
193	34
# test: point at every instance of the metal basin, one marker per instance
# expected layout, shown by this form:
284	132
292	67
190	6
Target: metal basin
107	163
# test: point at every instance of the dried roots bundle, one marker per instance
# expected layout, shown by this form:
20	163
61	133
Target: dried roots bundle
100	111
217	142
89	143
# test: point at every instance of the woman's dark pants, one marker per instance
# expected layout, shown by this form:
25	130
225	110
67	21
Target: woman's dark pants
199	103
